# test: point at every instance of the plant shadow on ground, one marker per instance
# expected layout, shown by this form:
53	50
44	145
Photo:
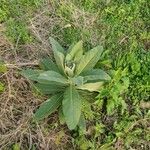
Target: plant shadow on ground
119	118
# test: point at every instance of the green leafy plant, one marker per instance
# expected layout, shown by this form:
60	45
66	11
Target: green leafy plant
1	87
72	73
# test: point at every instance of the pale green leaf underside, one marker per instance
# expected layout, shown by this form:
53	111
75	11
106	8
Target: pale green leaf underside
91	86
52	77
89	60
71	107
48	107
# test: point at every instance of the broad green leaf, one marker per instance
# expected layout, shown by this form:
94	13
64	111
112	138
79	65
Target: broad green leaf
56	46
48	88
96	75
31	74
48	107
70	48
75	52
52	77
89	60
58	54
47	64
59	58
91	86
71	107
78	56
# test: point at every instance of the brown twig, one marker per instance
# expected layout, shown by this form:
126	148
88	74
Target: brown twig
18	65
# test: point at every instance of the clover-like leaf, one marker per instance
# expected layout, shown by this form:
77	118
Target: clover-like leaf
56	46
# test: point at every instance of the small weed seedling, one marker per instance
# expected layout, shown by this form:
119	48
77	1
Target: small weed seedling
72	73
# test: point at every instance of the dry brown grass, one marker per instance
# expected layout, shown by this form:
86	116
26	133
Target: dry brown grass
18	102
